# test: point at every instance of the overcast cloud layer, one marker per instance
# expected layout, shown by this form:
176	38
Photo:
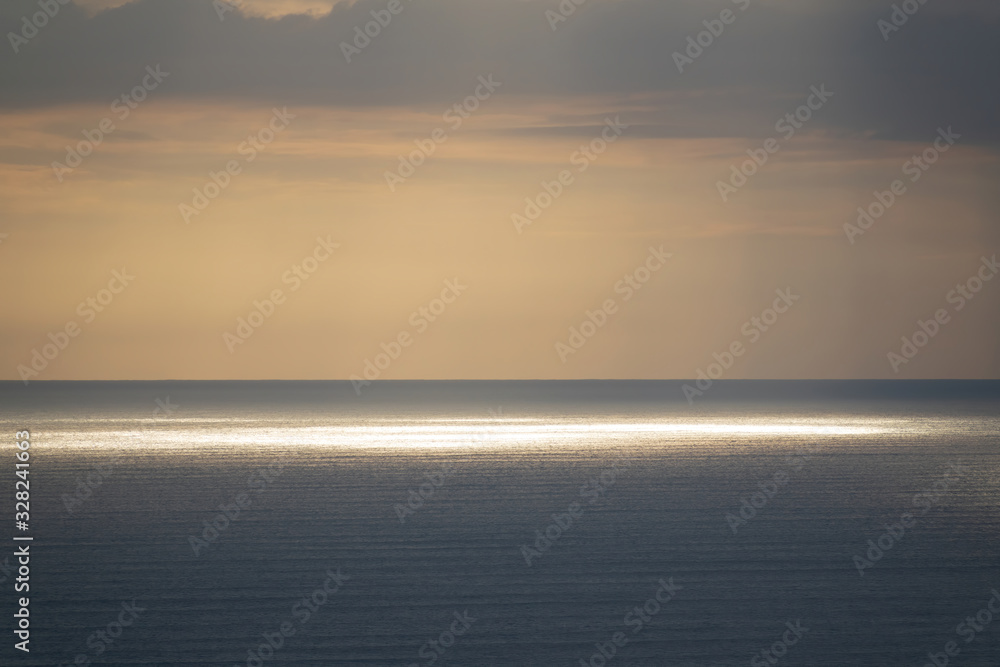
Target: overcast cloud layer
940	68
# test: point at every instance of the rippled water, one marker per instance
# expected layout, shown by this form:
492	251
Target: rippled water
427	500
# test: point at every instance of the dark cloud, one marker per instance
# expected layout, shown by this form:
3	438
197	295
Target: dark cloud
941	68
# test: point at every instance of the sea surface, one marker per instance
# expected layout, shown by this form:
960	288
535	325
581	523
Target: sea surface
505	523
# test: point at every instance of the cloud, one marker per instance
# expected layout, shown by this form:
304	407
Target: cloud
931	73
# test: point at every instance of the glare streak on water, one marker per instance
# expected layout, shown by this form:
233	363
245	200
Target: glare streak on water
157	436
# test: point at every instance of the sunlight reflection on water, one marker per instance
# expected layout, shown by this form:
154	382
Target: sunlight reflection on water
410	434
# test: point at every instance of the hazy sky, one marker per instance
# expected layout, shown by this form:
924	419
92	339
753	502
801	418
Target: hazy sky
331	113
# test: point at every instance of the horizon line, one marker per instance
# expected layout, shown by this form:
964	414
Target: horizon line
725	380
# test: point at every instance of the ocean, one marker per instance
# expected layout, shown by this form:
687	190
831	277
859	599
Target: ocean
504	523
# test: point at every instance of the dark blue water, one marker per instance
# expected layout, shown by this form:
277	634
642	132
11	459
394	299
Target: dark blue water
402	527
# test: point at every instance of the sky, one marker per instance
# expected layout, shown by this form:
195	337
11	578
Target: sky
499	189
